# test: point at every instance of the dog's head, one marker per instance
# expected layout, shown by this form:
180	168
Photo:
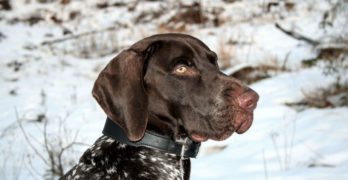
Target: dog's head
172	83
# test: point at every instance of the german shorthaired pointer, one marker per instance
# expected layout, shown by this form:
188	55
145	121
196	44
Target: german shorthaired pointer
163	96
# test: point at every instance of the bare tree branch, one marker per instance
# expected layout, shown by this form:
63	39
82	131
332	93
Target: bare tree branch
78	36
297	35
29	141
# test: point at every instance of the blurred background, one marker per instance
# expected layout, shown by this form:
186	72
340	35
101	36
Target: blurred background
294	53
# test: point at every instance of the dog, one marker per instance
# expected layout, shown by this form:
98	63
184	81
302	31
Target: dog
163	96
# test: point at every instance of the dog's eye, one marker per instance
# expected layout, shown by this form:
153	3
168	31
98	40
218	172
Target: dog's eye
180	69
183	66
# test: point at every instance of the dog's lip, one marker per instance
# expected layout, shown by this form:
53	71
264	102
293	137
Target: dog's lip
202	138
246	123
198	138
245	119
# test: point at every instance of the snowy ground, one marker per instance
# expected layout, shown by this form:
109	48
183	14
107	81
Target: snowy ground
46	89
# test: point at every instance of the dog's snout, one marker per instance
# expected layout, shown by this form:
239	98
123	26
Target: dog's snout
248	100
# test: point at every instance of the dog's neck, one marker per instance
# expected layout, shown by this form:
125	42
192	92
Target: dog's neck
166	125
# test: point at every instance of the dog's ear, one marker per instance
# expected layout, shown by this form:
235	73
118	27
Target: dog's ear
120	92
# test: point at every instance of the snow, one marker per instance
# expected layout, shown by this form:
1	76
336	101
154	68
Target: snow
56	81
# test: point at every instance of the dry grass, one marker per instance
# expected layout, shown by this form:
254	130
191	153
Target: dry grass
225	53
266	69
172	27
333	96
87	45
51	151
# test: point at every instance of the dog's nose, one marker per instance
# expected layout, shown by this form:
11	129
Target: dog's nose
248	100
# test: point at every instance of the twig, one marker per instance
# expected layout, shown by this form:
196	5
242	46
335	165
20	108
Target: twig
50	152
277	150
60	154
292	140
297	35
33	172
285	150
7	129
285	61
77	36
28	140
264	164
17	173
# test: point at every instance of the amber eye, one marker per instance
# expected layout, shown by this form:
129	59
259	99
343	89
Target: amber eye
181	69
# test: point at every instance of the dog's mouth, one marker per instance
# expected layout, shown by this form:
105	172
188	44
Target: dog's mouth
241	122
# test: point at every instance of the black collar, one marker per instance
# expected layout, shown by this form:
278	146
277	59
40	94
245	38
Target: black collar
153	140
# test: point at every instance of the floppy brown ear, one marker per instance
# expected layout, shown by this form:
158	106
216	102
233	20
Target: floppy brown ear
120	92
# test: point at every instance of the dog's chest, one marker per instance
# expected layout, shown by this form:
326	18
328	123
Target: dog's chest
109	159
